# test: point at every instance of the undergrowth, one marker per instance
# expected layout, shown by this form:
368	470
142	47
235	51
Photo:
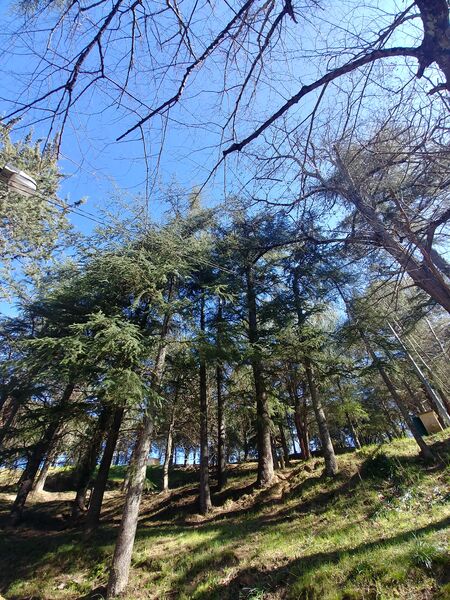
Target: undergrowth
379	531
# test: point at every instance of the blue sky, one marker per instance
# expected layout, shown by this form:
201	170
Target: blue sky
96	166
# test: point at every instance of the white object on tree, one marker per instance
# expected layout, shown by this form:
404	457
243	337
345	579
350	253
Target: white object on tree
18	181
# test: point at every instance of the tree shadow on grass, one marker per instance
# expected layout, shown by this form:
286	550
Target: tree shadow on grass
41	547
275	579
45	516
24	554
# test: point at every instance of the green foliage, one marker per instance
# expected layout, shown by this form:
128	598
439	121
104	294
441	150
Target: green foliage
425	554
31	228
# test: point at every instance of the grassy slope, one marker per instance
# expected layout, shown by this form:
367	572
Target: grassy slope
379	530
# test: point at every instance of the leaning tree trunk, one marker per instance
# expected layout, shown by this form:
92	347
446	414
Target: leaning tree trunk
96	500
88	461
424	274
205	494
424	449
120	568
434	398
40	450
331	467
263	420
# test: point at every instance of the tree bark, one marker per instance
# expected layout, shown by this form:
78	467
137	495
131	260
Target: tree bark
284	444
39	483
425	450
302	431
276	462
120	567
263	420
205	494
11	411
425	275
331	467
433	396
221	432
353	432
95	503
34	461
88	461
169	443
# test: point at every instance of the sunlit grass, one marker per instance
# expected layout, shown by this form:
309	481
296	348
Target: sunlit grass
380	530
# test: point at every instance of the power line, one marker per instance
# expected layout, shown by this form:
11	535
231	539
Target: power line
77	211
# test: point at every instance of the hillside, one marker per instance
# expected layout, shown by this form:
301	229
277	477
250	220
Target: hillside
379	530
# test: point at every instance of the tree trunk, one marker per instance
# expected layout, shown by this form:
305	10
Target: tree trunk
424	274
301	428
221	450
276	462
246	448
263	420
130	467
169	443
301	424
11	411
284	444
396	431
436	402
331	467
29	474
440	263
95	503
205	495
292	436
88	461
39	483
425	450
120	567
353	432
34	461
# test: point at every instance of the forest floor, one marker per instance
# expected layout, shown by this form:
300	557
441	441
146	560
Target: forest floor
380	530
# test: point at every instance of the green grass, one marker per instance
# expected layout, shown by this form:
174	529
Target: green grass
377	531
